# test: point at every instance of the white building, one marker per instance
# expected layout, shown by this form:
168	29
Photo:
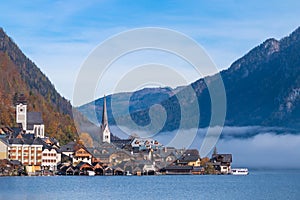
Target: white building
21	114
28	152
31	122
50	158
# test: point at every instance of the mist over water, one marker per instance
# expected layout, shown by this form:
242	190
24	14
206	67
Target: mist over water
251	146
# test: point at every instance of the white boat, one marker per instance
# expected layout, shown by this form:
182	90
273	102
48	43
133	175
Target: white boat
239	171
91	173
128	173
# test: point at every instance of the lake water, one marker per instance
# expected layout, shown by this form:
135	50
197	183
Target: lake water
275	184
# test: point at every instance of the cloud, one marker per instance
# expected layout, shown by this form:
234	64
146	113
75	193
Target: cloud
263	151
251	146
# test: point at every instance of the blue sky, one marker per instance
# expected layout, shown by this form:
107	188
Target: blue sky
59	35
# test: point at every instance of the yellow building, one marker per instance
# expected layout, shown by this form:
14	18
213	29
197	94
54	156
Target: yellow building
3	149
190	157
195	162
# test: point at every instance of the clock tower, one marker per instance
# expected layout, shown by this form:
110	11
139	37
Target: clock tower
21	111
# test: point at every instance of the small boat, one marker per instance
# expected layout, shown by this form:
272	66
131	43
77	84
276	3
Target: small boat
91	173
239	171
128	173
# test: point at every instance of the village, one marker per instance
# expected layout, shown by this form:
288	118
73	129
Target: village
25	150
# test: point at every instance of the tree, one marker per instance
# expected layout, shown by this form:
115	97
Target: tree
204	161
86	139
209	169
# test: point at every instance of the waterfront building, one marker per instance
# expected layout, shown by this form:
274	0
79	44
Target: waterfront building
190	157
221	162
10	167
76	152
81	154
27	151
176	169
51	157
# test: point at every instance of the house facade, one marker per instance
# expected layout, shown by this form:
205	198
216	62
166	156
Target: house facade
81	154
76	152
3	148
50	159
28	152
221	162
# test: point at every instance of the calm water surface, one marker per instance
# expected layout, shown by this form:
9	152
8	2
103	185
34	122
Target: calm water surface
275	184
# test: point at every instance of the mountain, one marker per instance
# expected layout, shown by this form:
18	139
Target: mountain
126	102
262	88
19	75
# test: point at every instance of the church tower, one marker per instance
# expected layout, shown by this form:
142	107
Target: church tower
21	111
104	124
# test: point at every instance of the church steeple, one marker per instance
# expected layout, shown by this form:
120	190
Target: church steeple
104	124
104	113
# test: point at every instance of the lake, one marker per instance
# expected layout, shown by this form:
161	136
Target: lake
259	184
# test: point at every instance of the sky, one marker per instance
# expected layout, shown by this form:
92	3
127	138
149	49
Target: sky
59	35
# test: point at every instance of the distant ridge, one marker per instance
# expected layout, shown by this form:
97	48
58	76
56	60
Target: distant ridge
262	88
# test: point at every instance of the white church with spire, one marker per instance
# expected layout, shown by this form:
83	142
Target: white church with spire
104	129
31	122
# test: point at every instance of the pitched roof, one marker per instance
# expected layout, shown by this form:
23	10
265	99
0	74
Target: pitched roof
15	162
21	99
19	141
188	158
25	141
222	157
28	136
191	152
4	140
34	118
70	147
38	141
190	155
83	165
15	131
121	143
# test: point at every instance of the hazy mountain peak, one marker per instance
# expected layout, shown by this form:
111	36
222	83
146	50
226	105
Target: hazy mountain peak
258	54
271	46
